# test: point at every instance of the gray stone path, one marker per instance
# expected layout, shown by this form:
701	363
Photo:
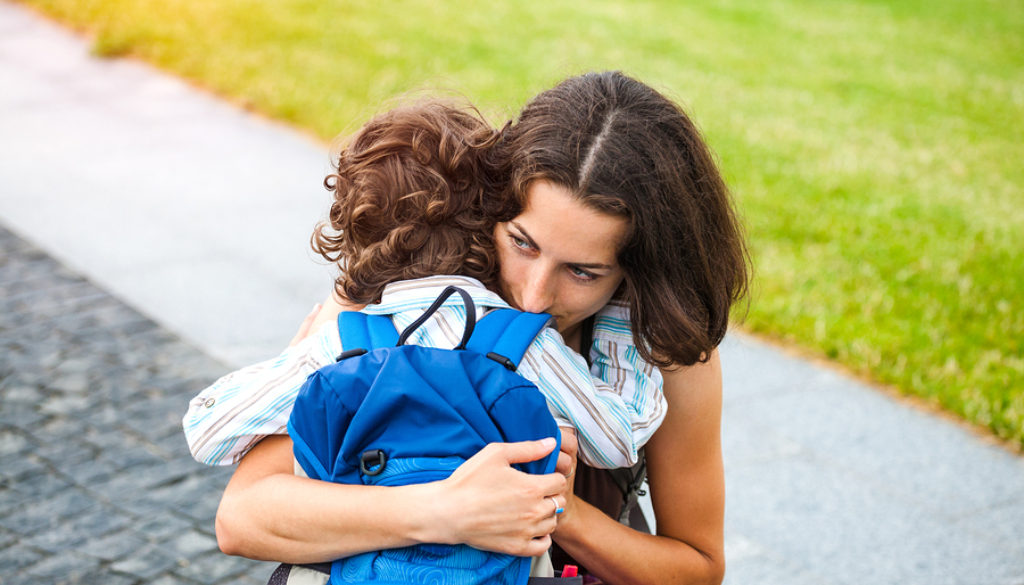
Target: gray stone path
96	483
189	219
831	482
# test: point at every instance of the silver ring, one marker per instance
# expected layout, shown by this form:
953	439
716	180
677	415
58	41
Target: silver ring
558	509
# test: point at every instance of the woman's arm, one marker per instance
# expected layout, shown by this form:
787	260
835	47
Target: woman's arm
231	415
268	513
687	484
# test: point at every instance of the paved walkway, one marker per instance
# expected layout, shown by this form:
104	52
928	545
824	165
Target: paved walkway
97	484
151	236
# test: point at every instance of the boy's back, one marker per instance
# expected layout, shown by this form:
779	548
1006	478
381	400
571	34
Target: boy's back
390	413
601	416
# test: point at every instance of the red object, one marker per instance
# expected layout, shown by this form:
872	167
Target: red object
570	571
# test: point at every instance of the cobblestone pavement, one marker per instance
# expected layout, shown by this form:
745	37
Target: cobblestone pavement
96	483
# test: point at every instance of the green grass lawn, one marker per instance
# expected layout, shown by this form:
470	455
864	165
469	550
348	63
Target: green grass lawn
875	148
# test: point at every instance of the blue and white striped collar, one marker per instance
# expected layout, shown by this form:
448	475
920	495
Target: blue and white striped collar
406	295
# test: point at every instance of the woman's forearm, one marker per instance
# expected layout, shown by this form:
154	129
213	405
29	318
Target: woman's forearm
620	555
268	513
335	521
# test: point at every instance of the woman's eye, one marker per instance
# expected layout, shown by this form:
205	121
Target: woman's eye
520	243
581	274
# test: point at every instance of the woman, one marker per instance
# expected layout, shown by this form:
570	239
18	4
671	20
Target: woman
605	194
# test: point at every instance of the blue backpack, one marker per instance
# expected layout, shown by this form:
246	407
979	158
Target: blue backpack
393	414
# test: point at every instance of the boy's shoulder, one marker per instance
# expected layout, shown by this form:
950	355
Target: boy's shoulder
321	347
418	293
614	323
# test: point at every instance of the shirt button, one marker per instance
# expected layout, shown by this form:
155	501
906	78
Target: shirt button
210	402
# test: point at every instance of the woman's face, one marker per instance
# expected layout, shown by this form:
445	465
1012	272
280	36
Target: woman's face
559	256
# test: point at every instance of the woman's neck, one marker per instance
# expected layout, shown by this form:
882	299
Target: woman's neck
573	336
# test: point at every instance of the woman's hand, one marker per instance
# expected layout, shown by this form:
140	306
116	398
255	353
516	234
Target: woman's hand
307	325
490	505
567	454
567	467
321	313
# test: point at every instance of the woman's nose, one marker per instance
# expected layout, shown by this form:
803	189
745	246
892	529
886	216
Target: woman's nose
538	293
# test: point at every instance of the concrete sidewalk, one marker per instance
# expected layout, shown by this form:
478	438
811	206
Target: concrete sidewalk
197	215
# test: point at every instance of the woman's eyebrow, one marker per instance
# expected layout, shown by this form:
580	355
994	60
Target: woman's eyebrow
597	265
526	235
533	244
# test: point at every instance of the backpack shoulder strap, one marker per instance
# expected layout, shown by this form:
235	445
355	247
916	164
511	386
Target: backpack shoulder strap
505	334
362	331
630	481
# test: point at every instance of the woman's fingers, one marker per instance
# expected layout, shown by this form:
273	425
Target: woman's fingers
494	506
567	456
537	546
570	448
307	324
552	506
525	451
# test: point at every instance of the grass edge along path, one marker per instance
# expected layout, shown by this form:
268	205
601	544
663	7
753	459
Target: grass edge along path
871	145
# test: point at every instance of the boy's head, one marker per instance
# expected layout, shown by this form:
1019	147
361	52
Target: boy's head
407	200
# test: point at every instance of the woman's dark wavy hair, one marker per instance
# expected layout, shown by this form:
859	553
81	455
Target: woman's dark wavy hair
408	191
623	148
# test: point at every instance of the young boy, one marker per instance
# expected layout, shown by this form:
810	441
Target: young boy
406	222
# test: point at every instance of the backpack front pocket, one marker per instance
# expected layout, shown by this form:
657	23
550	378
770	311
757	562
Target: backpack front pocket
413	470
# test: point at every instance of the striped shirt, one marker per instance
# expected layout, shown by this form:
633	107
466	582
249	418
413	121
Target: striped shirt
615	407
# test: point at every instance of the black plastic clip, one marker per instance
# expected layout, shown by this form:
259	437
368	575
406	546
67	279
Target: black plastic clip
373	462
350	353
502	360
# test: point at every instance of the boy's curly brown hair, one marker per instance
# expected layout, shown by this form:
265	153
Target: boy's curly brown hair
408	190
